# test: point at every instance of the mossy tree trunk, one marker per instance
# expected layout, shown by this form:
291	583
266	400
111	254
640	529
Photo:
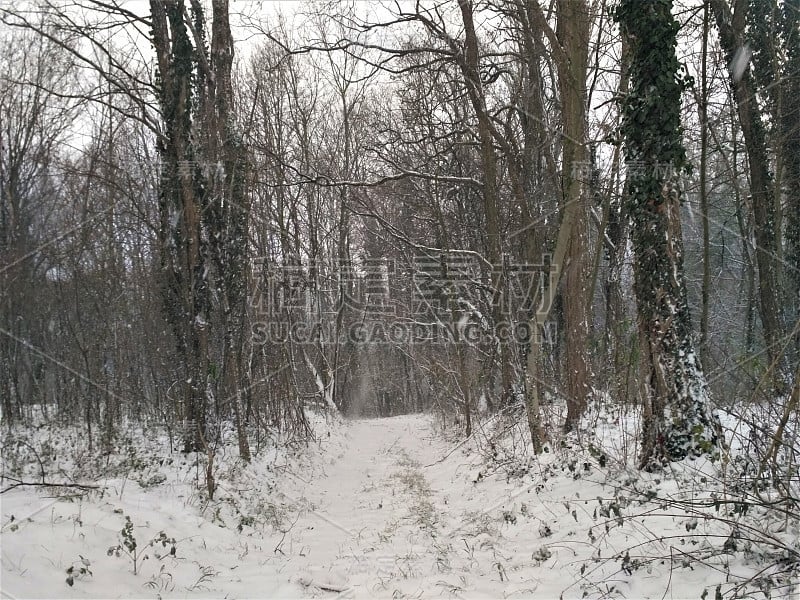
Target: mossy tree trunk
183	248
678	420
204	210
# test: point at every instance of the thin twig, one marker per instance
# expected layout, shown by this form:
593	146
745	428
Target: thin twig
19	483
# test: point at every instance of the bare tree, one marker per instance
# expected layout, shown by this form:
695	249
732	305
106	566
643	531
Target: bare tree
731	25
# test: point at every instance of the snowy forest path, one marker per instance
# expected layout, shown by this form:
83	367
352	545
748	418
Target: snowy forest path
375	519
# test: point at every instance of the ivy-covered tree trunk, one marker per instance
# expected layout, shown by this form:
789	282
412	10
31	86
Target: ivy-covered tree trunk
204	210
183	249
678	419
229	215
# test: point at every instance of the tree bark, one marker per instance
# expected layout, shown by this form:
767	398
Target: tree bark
573	32
678	420
232	215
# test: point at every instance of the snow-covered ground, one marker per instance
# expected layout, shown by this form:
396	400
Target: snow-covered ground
390	508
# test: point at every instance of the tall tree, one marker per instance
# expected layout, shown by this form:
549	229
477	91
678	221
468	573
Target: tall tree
574	24
790	138
678	419
469	63
569	46
731	26
204	210
229	212
184	252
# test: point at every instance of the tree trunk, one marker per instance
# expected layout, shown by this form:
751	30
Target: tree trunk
704	302
731	33
231	213
573	33
182	253
790	134
678	419
471	71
